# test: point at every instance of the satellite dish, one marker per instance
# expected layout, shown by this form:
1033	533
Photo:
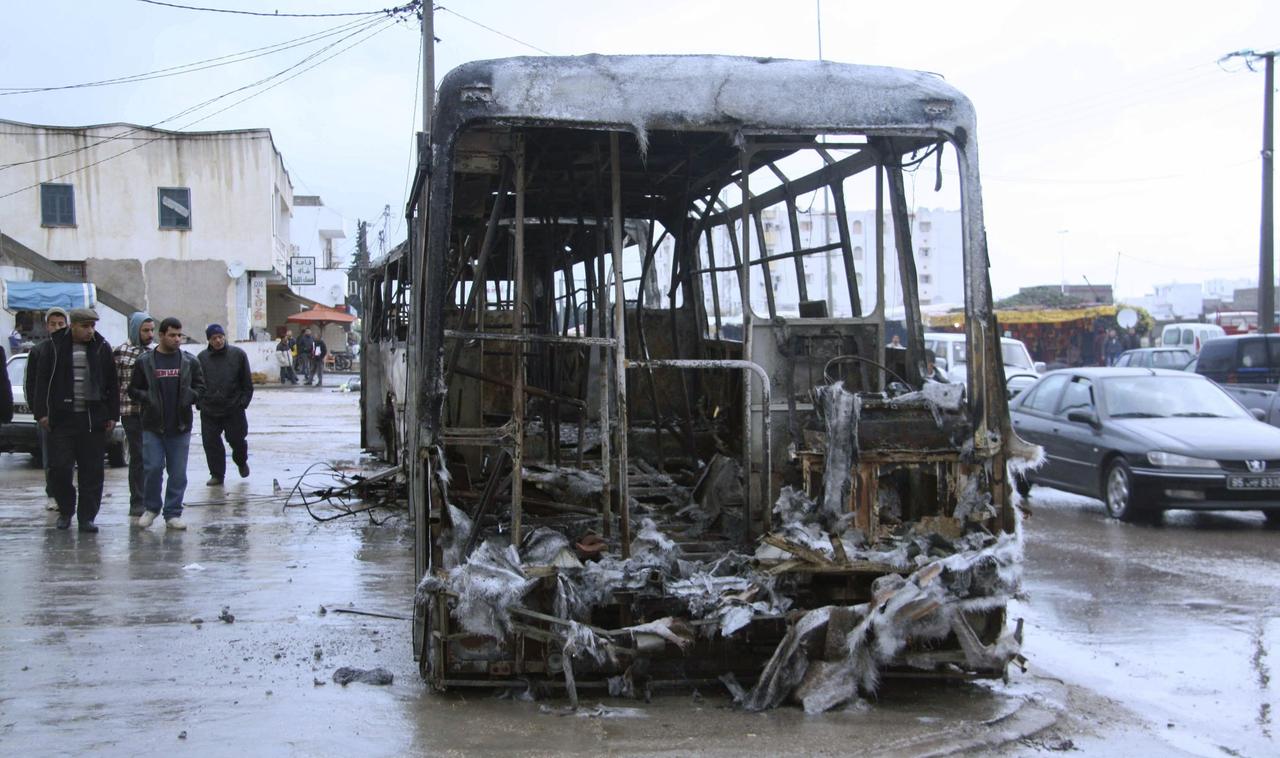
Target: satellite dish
235	269
335	294
1127	318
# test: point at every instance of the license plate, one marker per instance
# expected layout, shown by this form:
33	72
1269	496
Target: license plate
1253	482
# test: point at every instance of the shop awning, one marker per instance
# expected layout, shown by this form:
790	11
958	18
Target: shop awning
1040	316
41	296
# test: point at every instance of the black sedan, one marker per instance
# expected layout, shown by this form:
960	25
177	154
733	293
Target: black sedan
1148	440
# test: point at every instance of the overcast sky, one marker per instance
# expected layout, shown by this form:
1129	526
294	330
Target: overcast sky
1108	130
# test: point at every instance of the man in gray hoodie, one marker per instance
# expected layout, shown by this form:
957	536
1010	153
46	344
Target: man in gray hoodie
141	329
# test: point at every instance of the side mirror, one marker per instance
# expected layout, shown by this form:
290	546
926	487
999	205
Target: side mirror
1084	417
1039	367
1258	413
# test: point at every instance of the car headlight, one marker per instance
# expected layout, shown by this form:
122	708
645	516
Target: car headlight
1180	461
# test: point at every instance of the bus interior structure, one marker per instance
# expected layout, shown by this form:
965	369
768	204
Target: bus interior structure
652	431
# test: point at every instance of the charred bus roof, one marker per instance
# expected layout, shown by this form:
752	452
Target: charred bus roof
703	92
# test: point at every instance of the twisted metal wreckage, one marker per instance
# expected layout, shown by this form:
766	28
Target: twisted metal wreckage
646	445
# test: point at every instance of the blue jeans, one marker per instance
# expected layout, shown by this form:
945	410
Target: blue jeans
163	454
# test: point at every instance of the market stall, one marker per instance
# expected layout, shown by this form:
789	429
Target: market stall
1059	336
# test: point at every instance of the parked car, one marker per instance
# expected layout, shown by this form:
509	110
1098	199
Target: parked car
1191	335
1149	440
1248	359
1155	357
1020	371
20	436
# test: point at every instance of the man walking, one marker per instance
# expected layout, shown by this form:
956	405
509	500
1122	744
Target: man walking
55	320
77	401
318	352
166	382
228	388
306	348
141	330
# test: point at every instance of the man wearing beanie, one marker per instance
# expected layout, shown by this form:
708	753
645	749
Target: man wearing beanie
141	330
228	391
77	401
55	320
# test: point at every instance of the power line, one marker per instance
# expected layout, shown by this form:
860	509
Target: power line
277	14
375	32
359	29
495	31
187	68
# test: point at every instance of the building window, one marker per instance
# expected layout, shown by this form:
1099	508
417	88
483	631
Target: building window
175	208
926	279
857	253
925	226
57	205
857	226
924	252
75	269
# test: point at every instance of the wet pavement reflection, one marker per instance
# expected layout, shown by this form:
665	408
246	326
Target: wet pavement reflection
1173	622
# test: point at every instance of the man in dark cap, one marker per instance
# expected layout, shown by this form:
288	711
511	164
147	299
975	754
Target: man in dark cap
76	400
228	390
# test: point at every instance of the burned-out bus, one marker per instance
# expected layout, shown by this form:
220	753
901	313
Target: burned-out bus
653	432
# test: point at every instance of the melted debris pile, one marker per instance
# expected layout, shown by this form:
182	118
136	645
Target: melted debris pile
930	575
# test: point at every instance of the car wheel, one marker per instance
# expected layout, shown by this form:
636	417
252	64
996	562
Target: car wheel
1118	492
118	454
1023	484
1273	519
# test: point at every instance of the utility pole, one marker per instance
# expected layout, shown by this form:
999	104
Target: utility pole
1266	247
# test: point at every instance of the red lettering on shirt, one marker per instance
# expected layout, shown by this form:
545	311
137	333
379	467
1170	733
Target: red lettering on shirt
167	373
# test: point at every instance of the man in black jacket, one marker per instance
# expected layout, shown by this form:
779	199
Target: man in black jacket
55	320
228	389
166	382
76	400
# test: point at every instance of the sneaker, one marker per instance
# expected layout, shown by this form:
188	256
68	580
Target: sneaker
64	522
243	468
146	520
215	481
50	504
175	523
88	526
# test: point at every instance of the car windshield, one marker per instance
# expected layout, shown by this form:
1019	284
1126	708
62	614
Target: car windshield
1015	354
1164	396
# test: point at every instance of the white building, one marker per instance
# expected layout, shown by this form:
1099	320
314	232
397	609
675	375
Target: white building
318	236
1174	302
186	224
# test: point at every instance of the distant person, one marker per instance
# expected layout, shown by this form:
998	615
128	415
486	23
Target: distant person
306	348
1113	347
15	341
77	401
55	320
167	382
284	359
141	333
318	352
931	371
228	389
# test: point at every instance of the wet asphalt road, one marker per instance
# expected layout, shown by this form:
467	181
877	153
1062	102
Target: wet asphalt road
1129	629
1174	623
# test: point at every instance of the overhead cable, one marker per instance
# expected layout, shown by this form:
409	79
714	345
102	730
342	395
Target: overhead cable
495	31
379	29
129	132
276	14
194	66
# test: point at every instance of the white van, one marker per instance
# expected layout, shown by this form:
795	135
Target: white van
953	349
1190	336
